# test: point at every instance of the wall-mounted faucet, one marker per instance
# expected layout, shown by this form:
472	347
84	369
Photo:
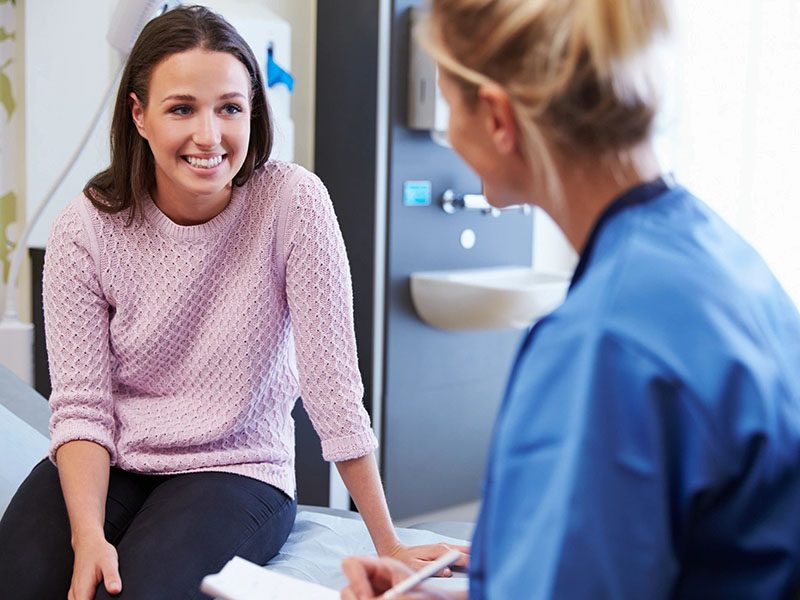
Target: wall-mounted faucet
452	202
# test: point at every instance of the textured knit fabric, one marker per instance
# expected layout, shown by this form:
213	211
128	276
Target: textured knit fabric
183	348
649	443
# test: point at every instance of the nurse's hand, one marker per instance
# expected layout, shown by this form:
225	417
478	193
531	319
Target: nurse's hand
369	577
416	557
95	561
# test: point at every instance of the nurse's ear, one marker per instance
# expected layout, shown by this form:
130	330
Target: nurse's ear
501	126
137	113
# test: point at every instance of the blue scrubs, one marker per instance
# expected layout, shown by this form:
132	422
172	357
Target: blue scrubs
649	442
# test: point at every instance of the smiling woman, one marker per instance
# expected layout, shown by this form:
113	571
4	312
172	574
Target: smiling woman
174	74
191	294
196	121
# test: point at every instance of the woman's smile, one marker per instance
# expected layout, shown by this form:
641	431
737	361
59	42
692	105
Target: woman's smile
206	164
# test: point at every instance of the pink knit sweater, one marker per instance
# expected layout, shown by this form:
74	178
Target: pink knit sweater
183	349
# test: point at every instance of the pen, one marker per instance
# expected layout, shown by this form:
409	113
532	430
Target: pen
445	560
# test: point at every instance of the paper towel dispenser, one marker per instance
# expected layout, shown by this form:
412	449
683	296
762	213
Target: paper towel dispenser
427	109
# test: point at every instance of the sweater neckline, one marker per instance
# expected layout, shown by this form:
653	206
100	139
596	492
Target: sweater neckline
208	230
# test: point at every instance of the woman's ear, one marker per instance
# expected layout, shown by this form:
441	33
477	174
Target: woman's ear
499	118
137	113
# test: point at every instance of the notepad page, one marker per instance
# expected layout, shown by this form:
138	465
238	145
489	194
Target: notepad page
240	579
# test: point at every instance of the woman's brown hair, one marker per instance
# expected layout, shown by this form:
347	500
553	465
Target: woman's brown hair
131	174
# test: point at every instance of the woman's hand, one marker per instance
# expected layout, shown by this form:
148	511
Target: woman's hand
369	577
360	475
416	557
83	468
95	561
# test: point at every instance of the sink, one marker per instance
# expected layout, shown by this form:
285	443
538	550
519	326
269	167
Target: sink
493	298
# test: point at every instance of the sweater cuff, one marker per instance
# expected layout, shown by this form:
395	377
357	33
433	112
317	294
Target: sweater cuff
70	431
347	448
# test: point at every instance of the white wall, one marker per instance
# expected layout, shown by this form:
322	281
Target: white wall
302	16
68	65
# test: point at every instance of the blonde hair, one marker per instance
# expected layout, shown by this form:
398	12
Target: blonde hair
576	71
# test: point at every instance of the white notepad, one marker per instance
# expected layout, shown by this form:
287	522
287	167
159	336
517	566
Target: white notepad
240	579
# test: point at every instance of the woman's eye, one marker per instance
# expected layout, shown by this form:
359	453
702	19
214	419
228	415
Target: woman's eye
231	109
181	110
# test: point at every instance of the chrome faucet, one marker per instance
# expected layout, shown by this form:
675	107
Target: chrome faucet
452	202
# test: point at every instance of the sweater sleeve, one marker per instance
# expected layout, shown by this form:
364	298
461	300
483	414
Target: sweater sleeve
320	298
76	325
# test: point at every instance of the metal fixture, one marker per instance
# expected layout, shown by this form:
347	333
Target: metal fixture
452	202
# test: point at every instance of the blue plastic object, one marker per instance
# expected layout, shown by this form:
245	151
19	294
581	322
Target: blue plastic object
277	74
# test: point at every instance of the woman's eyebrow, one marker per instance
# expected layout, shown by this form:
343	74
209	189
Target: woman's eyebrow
190	98
230	95
181	97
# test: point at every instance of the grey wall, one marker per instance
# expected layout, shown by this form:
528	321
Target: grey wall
440	389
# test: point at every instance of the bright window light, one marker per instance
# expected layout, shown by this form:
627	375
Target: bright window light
731	124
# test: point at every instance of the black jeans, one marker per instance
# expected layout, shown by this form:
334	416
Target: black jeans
169	530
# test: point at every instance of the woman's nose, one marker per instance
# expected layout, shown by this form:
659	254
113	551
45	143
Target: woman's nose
207	133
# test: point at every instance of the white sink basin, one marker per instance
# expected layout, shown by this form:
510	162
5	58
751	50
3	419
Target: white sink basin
494	298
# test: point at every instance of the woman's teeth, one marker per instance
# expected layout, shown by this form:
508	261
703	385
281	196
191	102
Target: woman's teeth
204	163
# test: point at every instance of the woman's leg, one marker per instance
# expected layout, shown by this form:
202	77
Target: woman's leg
191	525
35	550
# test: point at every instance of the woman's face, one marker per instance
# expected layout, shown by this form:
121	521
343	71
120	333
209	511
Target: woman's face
197	123
464	129
484	135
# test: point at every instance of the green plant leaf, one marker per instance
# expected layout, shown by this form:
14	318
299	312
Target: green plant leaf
5	35
8	214
6	95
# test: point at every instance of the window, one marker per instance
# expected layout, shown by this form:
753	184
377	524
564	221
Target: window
731	124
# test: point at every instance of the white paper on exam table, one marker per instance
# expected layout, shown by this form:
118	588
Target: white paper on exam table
240	579
319	542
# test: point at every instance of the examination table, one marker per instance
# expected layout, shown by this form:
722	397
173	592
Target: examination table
319	540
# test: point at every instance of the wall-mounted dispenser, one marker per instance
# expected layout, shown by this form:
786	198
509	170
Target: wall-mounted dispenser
427	109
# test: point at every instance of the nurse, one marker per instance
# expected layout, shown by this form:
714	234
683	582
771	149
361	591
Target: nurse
648	445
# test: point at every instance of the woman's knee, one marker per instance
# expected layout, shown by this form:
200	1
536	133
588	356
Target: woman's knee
265	543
